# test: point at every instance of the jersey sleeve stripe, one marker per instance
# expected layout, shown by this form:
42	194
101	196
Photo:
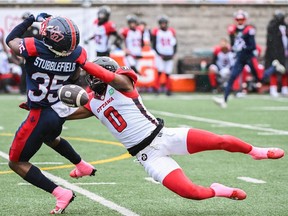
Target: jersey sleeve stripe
30	46
73	32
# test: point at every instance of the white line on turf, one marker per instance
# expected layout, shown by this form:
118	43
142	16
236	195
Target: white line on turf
151	180
88	194
95	183
252	180
41	163
213	121
80	183
279	108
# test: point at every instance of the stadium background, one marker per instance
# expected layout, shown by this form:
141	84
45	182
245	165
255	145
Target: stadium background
199	23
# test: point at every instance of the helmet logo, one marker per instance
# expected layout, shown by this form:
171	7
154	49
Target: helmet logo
55	33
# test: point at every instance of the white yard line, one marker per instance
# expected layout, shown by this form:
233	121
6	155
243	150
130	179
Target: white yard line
251	180
84	192
40	163
95	183
151	180
219	122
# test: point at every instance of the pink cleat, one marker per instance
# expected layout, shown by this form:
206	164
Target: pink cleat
228	192
266	153
83	169
64	198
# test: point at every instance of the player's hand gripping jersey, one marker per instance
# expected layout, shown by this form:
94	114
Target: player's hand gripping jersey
46	73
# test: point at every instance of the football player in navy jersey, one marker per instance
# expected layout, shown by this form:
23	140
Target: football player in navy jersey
242	38
50	63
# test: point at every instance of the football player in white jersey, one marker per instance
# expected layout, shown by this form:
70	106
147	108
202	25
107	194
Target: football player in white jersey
116	102
165	45
133	42
103	29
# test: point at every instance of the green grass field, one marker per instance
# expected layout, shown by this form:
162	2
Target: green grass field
257	119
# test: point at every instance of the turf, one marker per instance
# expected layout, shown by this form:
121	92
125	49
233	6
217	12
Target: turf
131	190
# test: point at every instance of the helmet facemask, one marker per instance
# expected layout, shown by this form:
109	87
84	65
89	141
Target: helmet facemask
96	85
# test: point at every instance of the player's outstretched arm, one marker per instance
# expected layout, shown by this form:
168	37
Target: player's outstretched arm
81	113
116	80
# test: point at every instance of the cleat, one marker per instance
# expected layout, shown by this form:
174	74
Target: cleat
266	153
279	67
220	102
275	153
63	201
83	169
228	192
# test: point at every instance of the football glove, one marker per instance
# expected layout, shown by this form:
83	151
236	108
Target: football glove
42	16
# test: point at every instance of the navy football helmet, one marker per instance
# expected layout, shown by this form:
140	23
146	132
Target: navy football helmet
103	14
60	34
95	84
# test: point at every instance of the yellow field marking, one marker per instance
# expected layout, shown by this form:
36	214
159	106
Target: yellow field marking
108	160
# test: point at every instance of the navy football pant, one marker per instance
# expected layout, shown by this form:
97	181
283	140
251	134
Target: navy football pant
41	125
237	69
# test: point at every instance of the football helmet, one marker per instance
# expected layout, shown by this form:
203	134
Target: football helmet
132	19
163	19
103	14
60	34
279	16
98	86
240	15
163	22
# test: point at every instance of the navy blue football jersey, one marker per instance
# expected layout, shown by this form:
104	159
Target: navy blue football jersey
47	72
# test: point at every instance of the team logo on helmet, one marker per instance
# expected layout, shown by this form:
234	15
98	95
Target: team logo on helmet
55	33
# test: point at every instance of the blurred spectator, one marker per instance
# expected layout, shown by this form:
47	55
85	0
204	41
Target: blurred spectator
133	42
276	56
9	73
220	69
103	29
32	31
146	33
164	43
242	37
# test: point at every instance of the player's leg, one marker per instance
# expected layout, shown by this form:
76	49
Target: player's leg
64	148
180	184
27	142
165	170
160	68
235	73
284	82
273	88
212	75
168	68
201	140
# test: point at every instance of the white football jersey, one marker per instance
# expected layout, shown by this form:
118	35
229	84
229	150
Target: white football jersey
102	33
165	41
125	116
133	41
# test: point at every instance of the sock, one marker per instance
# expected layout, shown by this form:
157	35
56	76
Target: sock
36	178
201	140
178	182
66	150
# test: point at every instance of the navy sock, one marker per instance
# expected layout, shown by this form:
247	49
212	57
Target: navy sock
36	178
66	150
